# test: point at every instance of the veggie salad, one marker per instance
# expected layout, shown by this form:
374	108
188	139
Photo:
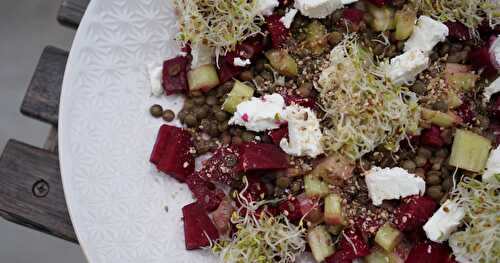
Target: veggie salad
346	130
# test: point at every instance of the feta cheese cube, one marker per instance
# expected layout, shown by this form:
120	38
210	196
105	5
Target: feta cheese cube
202	55
426	34
317	8
260	114
444	221
304	134
489	91
155	79
492	172
239	62
405	67
287	20
266	7
392	183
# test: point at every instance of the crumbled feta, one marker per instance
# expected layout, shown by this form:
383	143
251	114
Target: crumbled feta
392	183
492	172
495	51
304	134
444	221
155	78
405	67
287	20
426	34
260	114
348	2
266	7
317	8
202	55
241	62
489	91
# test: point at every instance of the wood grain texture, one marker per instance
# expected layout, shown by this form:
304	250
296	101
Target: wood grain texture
31	192
71	12
42	98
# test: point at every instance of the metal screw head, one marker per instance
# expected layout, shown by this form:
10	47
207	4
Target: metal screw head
40	189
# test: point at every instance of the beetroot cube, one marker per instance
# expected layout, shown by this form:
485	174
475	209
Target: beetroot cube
304	102
466	112
175	75
279	33
380	2
172	152
256	189
206	193
429	252
248	49
197	226
261	156
458	31
278	134
227	71
223	166
341	256
413	212
494	108
352	15
432	137
357	245
292	208
480	58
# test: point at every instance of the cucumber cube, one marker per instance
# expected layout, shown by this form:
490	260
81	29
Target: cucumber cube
203	78
439	118
388	237
320	242
315	187
333	210
282	62
469	151
238	94
382	18
405	21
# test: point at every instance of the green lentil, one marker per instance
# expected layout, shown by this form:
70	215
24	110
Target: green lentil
168	115
156	110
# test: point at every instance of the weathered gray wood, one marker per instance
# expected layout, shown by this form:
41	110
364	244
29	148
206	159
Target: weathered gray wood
71	12
42	98
31	192
51	144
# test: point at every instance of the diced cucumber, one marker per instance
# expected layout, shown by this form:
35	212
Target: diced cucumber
464	81
334	229
377	256
388	237
315	187
333	169
282	62
439	118
405	21
316	37
238	94
382	18
320	243
204	78
453	100
469	151
333	210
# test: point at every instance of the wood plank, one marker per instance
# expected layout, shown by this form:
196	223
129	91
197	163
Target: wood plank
42	98
71	12
31	192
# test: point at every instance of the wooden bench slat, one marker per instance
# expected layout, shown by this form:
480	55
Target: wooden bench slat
42	98
31	192
71	12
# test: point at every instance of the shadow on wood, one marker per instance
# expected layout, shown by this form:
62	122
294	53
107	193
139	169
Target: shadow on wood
31	192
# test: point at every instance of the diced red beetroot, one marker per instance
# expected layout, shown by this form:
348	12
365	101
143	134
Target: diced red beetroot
414	212
432	137
278	134
348	251
197	226
458	31
416	236
248	49
227	71
304	102
175	75
466	112
205	192
429	252
494	108
261	156
256	189
292	208
279	33
380	2
186	48
223	166
495	129
172	152
352	15
480	58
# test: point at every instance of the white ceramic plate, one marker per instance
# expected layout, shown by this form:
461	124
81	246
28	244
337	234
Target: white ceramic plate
116	199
